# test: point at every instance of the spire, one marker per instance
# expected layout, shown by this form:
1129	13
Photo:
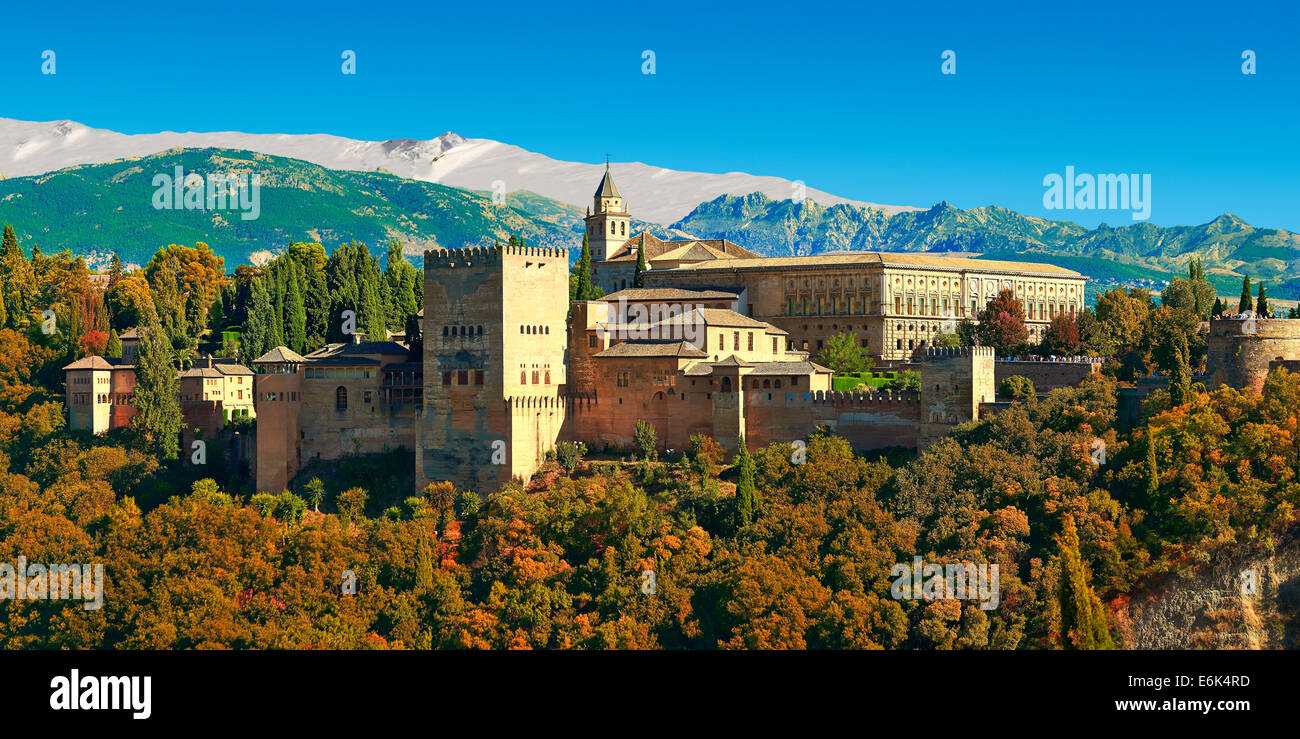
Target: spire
607	188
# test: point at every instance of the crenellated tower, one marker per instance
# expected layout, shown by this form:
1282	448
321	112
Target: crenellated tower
494	363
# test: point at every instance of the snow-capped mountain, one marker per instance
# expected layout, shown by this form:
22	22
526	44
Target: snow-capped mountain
654	194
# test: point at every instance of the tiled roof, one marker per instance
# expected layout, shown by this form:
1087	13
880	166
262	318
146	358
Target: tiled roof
200	372
232	368
343	360
656	247
637	294
130	333
279	354
652	349
724	317
732	361
789	368
90	363
884	258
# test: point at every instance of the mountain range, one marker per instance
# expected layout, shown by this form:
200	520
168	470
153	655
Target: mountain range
1229	247
662	195
98	199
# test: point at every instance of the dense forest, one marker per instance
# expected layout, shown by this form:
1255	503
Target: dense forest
778	547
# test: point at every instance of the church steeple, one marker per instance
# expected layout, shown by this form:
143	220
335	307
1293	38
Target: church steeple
608	220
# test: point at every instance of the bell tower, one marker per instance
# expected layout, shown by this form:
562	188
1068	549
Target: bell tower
608	221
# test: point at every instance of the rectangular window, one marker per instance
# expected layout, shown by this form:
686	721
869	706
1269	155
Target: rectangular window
591	341
735	341
446	378
478	377
462	377
751	341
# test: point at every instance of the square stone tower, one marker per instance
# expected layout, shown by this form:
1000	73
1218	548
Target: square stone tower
954	382
494	363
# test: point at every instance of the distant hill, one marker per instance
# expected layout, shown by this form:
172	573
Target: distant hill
663	195
97	209
1229	246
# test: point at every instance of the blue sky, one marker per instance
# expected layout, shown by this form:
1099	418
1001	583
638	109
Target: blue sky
848	98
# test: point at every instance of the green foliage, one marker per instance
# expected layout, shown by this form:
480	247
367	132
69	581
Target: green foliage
158	416
1016	386
641	266
1083	618
645	438
907	380
747	501
568	454
842	354
1246	301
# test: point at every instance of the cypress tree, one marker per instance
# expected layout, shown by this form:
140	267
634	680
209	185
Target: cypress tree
1261	306
746	493
159	412
1245	303
1083	618
4	313
641	265
18	280
1180	379
295	313
423	563
113	348
583	270
316	301
1219	307
257	329
1152	471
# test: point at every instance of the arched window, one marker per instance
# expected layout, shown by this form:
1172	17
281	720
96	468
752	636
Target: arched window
341	398
523	378
611	228
622	229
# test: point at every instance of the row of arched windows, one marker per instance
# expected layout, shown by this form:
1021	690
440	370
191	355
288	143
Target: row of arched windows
462	330
536	330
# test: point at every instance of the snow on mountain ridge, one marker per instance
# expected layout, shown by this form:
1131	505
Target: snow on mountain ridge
654	194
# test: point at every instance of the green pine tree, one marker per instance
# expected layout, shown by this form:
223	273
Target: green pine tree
295	312
641	267
1153	471
158	416
1261	305
1180	378
113	348
746	494
423	563
583	270
1219	307
1246	301
254	342
1083	618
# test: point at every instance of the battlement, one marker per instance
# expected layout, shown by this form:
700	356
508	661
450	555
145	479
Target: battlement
488	255
944	352
1269	328
468	256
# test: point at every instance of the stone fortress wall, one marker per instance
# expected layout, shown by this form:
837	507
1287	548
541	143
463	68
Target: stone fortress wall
1240	351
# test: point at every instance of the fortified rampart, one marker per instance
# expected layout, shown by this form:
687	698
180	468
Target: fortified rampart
1240	350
